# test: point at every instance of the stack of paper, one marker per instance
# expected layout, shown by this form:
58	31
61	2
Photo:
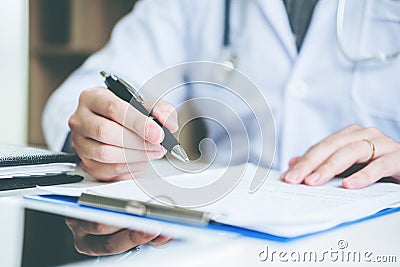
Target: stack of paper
36	170
25	161
24	167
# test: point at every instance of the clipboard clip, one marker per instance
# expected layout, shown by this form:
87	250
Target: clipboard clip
140	208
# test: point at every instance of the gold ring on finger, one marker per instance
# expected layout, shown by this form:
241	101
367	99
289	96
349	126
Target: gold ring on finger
372	146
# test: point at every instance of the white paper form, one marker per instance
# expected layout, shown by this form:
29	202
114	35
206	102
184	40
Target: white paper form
277	208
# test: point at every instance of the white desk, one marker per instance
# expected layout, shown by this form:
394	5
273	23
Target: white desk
199	247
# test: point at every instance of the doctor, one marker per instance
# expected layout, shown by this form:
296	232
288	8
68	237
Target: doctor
329	69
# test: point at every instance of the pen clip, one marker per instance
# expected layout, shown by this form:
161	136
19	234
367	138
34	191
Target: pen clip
135	93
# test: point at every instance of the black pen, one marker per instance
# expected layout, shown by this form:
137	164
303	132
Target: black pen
127	93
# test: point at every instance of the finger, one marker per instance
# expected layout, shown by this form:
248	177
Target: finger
125	177
94	228
319	153
107	131
384	166
342	159
81	228
161	240
112	244
108	171
70	222
164	112
91	149
356	152
108	105
293	161
122	177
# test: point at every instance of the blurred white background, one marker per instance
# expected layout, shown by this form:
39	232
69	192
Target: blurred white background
14	71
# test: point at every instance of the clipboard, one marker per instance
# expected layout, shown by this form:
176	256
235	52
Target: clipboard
210	225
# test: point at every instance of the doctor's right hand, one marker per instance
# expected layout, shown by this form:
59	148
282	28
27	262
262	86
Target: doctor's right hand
96	239
114	140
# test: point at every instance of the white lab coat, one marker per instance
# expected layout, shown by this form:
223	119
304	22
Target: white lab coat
311	94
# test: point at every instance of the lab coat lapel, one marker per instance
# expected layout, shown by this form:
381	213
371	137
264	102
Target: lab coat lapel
275	13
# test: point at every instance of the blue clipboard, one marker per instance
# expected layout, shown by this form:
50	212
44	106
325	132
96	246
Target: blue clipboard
213	225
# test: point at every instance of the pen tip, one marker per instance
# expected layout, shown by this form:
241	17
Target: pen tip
179	153
104	74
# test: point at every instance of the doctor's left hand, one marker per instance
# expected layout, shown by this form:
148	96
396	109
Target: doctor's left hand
336	153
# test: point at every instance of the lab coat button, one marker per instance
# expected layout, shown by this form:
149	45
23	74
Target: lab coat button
298	89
